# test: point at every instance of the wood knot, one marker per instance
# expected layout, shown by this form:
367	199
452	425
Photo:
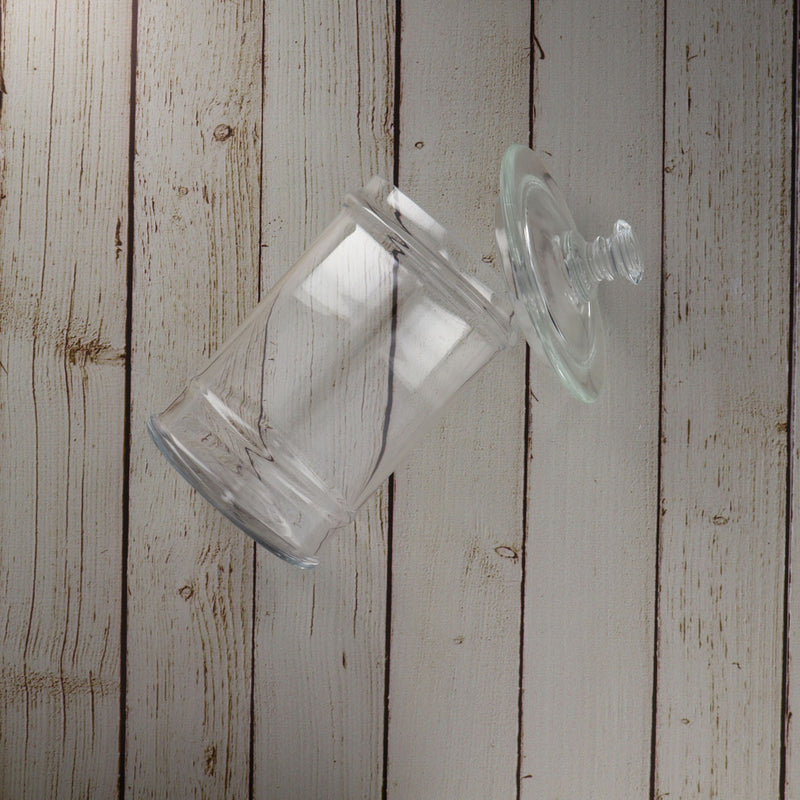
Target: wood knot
223	132
507	552
186	592
80	352
210	760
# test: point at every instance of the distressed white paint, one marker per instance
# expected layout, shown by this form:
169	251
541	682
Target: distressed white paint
464	79
724	411
320	637
792	665
63	212
198	138
592	475
230	184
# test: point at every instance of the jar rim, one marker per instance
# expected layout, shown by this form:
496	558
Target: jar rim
430	247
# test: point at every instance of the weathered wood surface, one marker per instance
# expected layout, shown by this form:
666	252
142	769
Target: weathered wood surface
592	494
63	218
320	637
605	620
195	276
727	285
791	660
456	567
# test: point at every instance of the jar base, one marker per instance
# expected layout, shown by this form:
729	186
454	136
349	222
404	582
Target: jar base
263	497
220	496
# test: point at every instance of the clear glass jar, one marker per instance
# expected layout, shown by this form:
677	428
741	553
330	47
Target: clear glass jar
317	397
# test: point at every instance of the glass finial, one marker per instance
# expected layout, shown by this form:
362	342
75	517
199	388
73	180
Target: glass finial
604	259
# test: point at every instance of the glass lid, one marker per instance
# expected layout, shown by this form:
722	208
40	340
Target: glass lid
553	272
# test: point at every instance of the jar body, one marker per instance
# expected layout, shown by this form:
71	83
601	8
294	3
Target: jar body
314	401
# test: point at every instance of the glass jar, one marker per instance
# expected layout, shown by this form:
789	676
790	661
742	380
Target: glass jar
317	397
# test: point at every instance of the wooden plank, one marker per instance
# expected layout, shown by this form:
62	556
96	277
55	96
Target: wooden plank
198	139
792	663
320	636
726	294
592	474
453	689
63	212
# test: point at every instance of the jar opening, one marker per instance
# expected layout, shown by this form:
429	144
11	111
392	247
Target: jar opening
383	209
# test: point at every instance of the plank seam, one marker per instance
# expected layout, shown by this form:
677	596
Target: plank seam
127	424
787	572
251	755
398	16
525	444
659	457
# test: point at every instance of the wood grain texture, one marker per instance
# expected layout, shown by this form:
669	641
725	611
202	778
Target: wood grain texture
62	380
792	661
592	474
198	139
458	503
252	120
726	295
320	637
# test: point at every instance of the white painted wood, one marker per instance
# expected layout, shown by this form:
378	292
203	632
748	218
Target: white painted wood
792	662
724	411
458	503
62	378
592	474
320	637
198	139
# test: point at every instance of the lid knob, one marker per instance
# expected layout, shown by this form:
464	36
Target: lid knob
603	260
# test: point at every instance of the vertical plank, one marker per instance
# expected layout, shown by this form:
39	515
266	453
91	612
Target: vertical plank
320	637
198	136
792	662
592	476
63	216
726	296
458	503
